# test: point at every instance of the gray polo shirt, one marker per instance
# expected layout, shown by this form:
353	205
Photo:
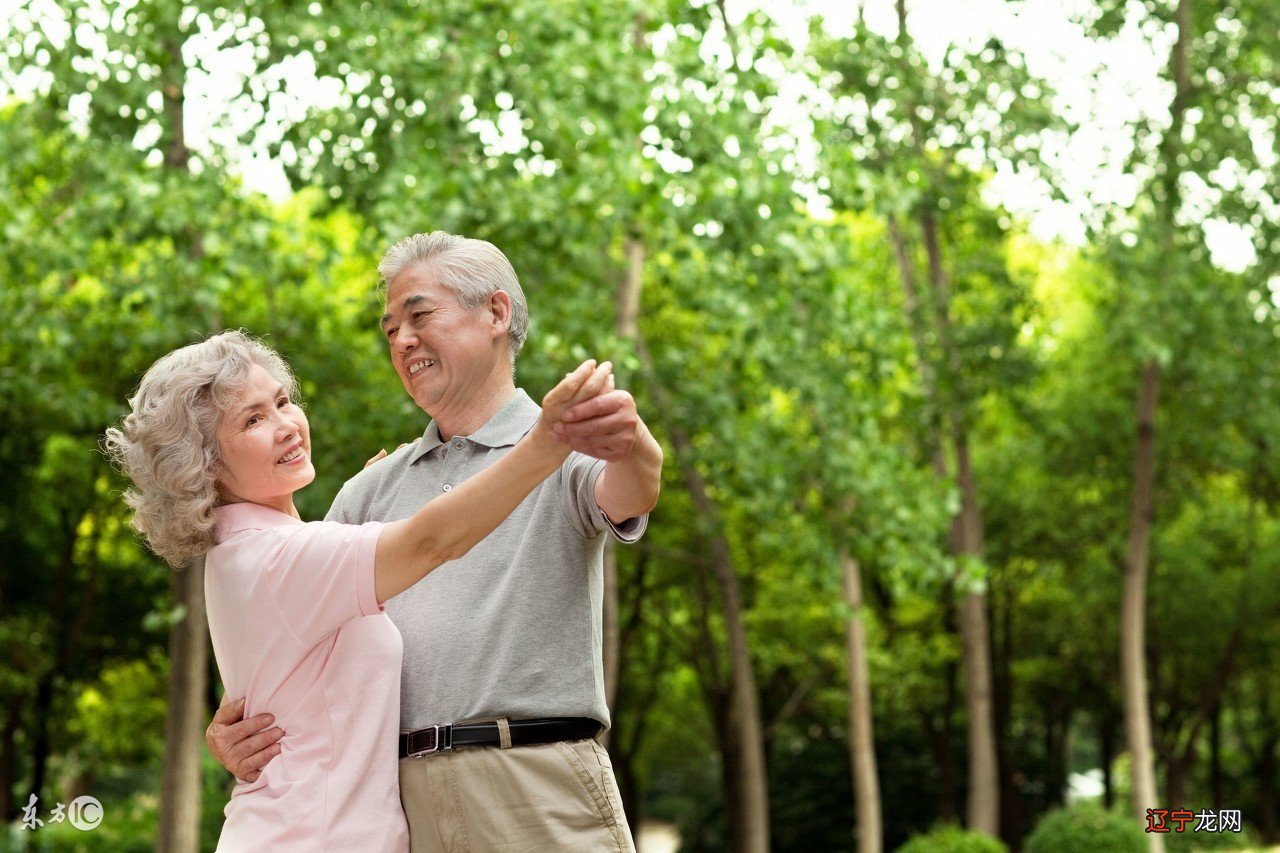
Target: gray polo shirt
513	627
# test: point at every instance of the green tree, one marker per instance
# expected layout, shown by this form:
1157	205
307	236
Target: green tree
558	132
902	139
1156	247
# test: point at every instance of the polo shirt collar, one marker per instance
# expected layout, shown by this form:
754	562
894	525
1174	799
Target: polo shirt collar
504	429
430	441
233	518
511	422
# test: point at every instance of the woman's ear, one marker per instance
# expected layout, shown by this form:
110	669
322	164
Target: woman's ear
216	469
223	495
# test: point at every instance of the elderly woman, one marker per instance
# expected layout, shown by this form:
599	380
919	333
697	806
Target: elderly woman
216	446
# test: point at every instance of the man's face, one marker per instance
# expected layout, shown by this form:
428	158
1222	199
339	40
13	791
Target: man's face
443	353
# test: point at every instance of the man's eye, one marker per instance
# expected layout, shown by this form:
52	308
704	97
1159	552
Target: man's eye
253	420
282	402
418	315
391	333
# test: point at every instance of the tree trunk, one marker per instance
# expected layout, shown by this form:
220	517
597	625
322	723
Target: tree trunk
1215	758
1175	778
1002	691
624	769
748	805
63	638
1264	763
1106	745
8	761
983	811
1133	674
919	336
1268	777
731	775
862	752
179	820
1059	757
941	740
1180	761
636	697
179	825
40	746
1107	749
747	791
625	327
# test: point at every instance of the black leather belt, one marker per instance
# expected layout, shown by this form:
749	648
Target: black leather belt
447	738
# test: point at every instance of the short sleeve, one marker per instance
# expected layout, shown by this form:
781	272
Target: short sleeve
580	473
321	576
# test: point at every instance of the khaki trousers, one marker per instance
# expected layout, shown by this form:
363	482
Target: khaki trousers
549	797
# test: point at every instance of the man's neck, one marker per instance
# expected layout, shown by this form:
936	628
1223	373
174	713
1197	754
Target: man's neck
479	410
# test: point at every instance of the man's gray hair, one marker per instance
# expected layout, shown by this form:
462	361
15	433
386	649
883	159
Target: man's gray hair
473	269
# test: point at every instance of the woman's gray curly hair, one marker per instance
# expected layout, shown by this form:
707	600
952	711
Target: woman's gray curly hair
168	446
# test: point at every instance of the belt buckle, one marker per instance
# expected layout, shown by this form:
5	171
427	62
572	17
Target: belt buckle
439	739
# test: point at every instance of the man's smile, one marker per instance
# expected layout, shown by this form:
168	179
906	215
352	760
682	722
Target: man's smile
418	366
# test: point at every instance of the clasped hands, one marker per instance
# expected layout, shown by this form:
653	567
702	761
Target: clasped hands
607	426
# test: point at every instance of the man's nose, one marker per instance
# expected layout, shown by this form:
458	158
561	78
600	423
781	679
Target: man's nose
405	339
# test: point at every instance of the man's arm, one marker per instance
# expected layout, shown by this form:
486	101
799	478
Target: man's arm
242	746
609	428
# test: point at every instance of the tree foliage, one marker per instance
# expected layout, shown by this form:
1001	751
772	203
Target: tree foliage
776	354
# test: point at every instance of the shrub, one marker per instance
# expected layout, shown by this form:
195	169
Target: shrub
1086	827
953	839
1187	840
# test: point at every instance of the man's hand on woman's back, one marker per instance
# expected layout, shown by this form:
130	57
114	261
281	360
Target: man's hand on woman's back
242	746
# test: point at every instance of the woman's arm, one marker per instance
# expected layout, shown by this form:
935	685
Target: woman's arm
450	524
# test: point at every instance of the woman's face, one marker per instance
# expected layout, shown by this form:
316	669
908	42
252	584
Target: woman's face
265	444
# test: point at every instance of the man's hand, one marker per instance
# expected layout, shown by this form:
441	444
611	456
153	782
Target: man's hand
609	428
606	426
242	746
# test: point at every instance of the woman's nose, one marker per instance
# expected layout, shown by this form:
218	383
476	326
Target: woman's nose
285	428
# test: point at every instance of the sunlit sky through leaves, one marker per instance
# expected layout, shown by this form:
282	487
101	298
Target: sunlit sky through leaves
1101	88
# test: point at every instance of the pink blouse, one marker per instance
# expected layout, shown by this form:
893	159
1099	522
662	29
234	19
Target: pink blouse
298	632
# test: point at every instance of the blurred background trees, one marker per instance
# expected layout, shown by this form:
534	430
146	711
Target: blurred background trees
915	451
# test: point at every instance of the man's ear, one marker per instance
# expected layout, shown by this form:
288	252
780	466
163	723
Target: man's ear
500	312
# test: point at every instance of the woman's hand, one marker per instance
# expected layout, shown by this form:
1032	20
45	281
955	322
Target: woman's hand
588	381
382	454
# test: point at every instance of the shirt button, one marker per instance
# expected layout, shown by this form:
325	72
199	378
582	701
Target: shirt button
458	443
447	487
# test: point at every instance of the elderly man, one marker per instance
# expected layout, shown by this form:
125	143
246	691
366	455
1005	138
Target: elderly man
502	688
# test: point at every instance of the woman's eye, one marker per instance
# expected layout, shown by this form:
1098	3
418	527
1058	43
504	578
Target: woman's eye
253	420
